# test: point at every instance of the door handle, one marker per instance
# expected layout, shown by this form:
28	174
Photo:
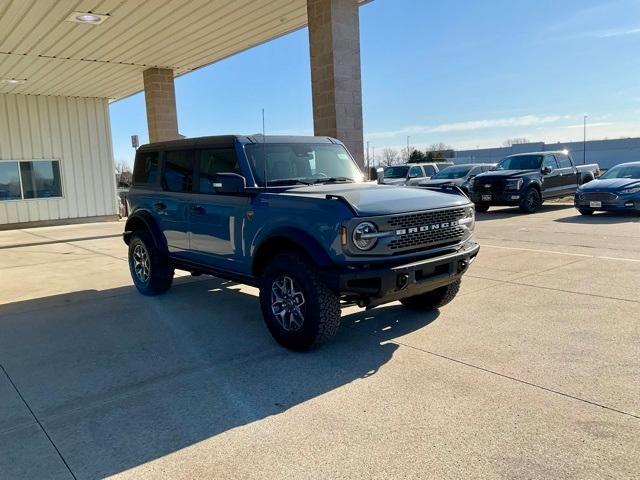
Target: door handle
159	206
197	210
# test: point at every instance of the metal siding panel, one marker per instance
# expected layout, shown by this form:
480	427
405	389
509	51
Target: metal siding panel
69	181
86	202
57	152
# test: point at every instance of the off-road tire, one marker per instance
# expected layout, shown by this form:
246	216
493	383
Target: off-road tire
586	211
434	299
321	308
161	272
481	208
531	201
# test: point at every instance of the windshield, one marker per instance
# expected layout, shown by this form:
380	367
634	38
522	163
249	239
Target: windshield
396	172
520	162
307	163
451	173
623	171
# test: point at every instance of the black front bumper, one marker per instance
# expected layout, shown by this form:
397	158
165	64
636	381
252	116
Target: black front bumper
389	282
504	198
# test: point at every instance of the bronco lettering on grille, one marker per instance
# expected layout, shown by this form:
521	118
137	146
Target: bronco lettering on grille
427	228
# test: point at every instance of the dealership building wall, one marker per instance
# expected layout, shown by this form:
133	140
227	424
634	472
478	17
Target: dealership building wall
73	133
605	153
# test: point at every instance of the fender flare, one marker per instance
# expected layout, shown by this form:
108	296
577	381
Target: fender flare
143	217
302	239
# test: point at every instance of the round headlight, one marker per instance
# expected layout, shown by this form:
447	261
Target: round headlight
362	236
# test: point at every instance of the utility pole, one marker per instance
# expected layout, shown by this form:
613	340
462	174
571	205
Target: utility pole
408	154
368	163
584	141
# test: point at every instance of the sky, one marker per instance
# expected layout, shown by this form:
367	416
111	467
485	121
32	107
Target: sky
465	73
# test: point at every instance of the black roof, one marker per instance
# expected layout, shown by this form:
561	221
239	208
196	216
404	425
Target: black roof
228	141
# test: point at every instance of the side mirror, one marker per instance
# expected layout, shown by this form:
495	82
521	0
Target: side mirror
380	174
547	169
473	175
230	183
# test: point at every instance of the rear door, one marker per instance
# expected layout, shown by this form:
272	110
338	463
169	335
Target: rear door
216	220
172	204
569	174
551	182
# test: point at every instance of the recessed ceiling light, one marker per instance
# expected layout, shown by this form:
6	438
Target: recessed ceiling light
14	81
89	18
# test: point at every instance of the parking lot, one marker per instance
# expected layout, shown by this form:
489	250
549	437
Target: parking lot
532	372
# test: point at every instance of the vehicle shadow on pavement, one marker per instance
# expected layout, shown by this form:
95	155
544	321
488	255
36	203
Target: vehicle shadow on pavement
119	380
601	218
508	212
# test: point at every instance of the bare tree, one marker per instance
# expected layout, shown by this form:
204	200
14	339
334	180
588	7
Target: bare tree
439	147
390	156
122	167
515	141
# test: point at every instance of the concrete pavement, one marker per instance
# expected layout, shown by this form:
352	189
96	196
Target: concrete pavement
532	372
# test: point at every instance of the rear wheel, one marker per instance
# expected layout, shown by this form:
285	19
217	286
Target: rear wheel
531	202
434	299
586	211
481	208
300	311
149	267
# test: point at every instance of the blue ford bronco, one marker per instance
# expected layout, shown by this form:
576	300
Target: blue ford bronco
294	217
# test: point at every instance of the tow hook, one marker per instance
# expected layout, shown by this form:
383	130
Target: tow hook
402	281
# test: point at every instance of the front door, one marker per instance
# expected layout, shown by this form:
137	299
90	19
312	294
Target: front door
216	220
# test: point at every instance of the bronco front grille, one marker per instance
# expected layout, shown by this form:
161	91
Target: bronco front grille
598	196
420	239
416	230
426	218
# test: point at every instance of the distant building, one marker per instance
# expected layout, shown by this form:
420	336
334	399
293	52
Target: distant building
605	153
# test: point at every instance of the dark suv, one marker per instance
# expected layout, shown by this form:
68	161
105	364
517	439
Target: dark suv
293	216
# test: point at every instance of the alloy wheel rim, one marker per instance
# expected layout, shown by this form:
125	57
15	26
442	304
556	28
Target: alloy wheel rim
141	264
286	302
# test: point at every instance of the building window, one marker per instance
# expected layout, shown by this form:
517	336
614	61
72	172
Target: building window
31	179
40	179
9	181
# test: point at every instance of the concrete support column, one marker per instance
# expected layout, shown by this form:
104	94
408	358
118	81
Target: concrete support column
160	98
334	42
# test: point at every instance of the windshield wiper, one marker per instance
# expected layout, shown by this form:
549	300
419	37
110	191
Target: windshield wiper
288	181
333	180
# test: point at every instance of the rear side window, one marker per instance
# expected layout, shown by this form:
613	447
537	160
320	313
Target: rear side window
146	168
415	172
563	161
214	161
429	171
178	171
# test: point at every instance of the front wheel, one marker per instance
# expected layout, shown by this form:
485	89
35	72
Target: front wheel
149	267
434	299
531	202
300	311
585	211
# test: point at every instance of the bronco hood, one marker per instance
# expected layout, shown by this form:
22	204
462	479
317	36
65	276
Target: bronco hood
371	199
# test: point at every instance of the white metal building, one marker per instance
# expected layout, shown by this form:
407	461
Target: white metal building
62	61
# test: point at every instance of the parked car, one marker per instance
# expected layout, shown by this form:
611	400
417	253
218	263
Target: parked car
527	179
412	174
293	216
618	189
458	175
